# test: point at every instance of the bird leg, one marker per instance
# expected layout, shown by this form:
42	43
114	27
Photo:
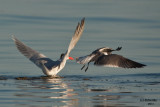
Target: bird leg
83	67
87	67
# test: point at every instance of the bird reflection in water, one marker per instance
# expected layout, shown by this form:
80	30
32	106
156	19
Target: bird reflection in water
53	91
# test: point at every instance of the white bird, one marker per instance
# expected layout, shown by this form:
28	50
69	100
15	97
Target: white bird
48	66
104	57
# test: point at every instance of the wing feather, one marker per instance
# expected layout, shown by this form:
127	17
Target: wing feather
77	34
114	60
85	59
28	52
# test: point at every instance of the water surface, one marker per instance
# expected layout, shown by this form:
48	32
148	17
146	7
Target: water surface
47	26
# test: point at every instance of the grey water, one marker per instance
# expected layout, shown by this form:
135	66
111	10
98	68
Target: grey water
48	25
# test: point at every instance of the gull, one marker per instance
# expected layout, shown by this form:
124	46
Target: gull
104	57
48	66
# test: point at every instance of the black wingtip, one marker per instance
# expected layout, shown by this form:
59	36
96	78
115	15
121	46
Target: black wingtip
138	65
119	48
143	65
82	21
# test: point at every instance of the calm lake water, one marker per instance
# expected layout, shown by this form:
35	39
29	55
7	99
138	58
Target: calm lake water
48	25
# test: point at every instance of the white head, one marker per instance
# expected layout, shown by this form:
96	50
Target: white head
105	50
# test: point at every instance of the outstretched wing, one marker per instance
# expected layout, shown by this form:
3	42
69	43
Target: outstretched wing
77	34
85	59
28	52
114	60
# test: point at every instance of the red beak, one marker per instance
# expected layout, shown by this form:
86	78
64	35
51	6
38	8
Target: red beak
71	58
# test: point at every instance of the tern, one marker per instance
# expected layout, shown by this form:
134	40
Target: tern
48	66
104	57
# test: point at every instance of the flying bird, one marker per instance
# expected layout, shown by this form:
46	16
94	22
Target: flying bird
104	57
48	66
